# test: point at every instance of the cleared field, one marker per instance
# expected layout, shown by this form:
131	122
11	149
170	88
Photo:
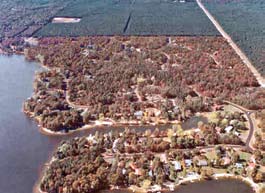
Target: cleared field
244	22
131	17
65	20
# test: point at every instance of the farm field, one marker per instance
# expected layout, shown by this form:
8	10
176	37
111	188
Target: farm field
244	22
130	17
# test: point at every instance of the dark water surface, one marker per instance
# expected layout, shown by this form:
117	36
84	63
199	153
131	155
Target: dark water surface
213	186
23	149
216	186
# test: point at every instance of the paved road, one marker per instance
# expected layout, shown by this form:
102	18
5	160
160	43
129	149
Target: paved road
251	125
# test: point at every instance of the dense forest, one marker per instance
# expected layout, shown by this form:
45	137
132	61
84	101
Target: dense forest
128	78
131	17
167	66
244	21
21	18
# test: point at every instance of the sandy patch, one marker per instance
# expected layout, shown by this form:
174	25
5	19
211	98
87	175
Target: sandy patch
66	20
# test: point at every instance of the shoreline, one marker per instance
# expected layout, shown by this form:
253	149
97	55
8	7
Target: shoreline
246	180
256	187
185	181
101	124
98	125
217	177
167	185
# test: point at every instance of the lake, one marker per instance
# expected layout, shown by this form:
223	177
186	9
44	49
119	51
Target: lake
212	186
24	150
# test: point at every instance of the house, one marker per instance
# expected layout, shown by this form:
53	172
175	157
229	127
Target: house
177	165
115	145
92	139
31	41
227	161
138	114
138	172
253	159
218	129
239	165
188	162
153	112
196	130
202	162
218	107
163	158
228	129
123	171
150	173
236	133
251	166
155	188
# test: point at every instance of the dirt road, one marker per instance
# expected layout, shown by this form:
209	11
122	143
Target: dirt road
239	52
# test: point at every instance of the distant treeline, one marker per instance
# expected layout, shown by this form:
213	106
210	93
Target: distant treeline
140	18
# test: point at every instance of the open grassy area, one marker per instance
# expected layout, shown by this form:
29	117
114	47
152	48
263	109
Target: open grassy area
130	17
244	21
244	156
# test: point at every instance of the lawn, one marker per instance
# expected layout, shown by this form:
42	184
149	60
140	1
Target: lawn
244	156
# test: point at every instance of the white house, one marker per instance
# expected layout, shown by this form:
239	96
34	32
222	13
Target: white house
177	165
228	129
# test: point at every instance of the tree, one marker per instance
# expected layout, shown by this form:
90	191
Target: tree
235	158
132	178
179	130
259	177
160	178
214	117
170	133
258	155
146	184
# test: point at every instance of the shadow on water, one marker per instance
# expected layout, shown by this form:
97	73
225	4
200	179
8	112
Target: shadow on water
23	149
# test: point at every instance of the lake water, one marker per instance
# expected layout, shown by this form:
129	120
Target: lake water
23	149
213	186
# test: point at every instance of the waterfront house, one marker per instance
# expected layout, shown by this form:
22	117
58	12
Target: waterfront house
138	114
228	129
177	165
202	162
188	162
239	165
253	159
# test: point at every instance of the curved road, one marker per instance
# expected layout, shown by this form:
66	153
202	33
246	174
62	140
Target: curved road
251	125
